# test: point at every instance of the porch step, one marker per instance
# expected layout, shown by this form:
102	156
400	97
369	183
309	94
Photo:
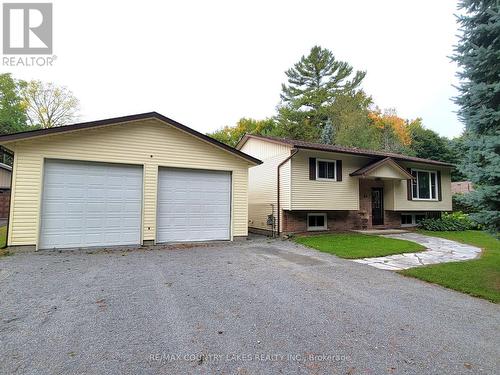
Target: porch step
381	231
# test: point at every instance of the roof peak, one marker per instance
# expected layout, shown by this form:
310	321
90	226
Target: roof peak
123	119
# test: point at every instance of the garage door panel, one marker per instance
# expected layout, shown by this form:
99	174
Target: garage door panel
89	204
193	205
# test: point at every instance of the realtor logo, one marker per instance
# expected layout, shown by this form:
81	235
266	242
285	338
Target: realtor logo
27	28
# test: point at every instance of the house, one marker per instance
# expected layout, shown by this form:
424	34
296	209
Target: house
302	186
132	180
461	187
5	176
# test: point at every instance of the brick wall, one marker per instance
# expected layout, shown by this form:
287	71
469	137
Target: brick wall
296	221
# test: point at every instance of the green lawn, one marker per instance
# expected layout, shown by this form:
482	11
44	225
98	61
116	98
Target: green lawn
354	245
3	234
479	277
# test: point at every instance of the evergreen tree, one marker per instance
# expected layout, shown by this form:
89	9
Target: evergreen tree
313	85
478	55
327	133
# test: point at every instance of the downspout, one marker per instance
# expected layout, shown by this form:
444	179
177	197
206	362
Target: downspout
10	197
294	152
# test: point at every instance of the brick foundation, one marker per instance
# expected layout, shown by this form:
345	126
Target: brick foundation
296	221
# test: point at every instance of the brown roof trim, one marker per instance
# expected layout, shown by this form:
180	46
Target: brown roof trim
340	149
118	120
363	171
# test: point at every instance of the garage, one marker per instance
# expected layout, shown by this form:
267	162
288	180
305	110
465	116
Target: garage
134	180
90	204
193	205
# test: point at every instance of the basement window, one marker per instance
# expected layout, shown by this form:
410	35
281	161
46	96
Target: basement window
411	219
316	222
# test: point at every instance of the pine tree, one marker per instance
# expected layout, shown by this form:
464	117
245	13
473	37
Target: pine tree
313	83
327	133
478	55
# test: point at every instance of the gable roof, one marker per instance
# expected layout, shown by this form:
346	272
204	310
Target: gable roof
367	169
117	120
294	143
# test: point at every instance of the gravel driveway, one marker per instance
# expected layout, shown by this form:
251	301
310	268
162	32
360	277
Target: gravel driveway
246	308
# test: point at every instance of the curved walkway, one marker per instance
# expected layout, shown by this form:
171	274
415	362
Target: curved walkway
439	250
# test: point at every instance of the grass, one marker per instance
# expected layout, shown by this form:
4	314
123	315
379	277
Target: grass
478	277
3	235
354	245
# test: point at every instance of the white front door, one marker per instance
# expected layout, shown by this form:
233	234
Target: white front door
193	205
90	204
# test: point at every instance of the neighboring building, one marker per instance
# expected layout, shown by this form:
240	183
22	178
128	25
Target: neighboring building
5	176
324	187
461	187
132	180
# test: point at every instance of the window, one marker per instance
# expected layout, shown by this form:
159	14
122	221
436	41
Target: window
325	170
412	219
316	222
406	219
424	185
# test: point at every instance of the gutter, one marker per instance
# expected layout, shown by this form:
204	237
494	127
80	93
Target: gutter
294	152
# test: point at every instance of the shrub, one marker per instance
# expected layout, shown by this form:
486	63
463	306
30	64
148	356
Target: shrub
455	221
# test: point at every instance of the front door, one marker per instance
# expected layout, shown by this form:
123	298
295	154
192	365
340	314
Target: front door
377	206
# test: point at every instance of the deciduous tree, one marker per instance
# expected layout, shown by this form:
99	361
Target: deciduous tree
12	109
230	135
49	105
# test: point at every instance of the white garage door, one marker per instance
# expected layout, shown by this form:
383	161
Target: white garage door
193	205
90	204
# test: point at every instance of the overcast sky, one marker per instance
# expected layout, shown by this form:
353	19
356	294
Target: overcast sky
208	63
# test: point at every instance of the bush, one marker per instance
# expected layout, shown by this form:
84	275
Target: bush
456	221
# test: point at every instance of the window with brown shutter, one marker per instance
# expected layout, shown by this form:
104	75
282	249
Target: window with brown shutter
312	168
339	170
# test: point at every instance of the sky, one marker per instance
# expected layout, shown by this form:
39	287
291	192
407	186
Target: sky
207	64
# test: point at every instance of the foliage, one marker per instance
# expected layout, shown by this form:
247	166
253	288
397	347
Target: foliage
355	245
477	54
12	109
48	105
392	130
461	204
478	277
3	236
352	127
456	221
313	84
427	144
231	135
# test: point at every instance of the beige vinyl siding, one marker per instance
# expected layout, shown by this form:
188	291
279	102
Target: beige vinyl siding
150	143
264	150
387	171
262	181
389	194
401	202
322	194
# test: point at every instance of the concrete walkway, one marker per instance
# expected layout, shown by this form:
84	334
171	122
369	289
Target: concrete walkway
438	250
